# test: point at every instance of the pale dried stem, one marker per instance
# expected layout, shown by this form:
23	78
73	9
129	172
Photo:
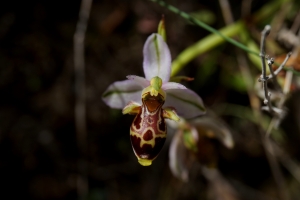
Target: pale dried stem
296	24
273	75
267	143
283	63
275	168
291	165
226	11
264	77
278	19
246	8
80	96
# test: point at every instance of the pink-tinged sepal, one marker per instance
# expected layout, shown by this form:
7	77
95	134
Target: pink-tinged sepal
139	80
187	103
120	93
157	58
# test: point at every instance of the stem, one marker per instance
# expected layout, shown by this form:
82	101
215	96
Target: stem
226	11
207	43
272	74
282	64
295	26
264	77
80	96
246	8
275	167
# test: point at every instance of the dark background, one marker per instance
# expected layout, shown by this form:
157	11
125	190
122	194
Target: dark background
38	148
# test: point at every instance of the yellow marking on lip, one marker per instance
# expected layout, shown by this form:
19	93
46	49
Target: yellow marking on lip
152	141
140	124
160	120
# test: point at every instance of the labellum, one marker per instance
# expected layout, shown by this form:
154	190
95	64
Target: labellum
148	130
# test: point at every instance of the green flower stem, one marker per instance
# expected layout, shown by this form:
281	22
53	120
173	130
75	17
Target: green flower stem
206	44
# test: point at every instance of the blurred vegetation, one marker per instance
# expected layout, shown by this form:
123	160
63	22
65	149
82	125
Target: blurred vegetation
39	153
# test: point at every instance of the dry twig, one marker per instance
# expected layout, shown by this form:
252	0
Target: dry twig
80	96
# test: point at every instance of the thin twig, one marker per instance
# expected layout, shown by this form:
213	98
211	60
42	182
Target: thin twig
290	164
277	119
264	77
268	143
275	168
278	19
277	114
295	26
272	74
226	11
246	8
80	98
282	65
287	85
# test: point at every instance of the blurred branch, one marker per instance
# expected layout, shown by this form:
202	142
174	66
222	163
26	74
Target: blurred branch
80	95
276	112
278	19
275	168
226	11
291	165
263	77
246	7
296	23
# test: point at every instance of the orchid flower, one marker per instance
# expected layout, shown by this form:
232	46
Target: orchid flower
152	99
193	141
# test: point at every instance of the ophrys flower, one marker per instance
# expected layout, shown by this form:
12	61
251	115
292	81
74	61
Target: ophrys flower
152	99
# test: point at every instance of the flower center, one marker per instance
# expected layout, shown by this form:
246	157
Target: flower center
155	84
154	89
